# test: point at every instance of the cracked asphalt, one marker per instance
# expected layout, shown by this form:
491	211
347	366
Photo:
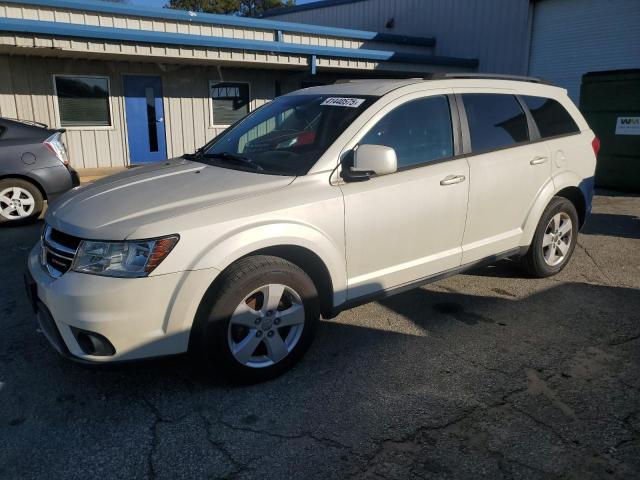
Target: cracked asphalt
484	375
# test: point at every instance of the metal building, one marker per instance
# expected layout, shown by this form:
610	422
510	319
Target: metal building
558	40
496	32
574	37
133	85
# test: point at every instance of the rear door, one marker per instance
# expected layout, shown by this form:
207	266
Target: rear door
506	172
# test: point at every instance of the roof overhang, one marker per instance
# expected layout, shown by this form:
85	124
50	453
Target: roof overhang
61	27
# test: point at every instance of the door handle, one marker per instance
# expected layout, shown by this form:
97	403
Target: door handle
452	180
539	160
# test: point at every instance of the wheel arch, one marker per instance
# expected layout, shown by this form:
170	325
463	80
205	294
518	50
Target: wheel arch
566	185
312	265
575	196
308	248
26	178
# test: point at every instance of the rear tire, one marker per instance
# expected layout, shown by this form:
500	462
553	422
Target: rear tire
554	240
20	201
257	321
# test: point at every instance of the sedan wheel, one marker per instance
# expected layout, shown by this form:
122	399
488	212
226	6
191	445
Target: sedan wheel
16	203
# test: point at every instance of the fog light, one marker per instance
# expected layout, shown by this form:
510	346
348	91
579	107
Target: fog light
93	343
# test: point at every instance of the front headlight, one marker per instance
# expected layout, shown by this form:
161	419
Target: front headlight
129	259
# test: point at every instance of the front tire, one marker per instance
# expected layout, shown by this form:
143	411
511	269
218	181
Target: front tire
554	240
20	201
257	321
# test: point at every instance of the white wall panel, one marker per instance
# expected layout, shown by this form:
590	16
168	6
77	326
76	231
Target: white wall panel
573	37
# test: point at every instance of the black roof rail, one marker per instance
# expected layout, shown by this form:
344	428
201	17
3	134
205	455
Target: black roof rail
482	76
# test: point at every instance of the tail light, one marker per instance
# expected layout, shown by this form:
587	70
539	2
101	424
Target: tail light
55	145
595	144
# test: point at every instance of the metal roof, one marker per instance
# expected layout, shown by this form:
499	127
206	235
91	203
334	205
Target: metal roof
143	36
65	29
101	6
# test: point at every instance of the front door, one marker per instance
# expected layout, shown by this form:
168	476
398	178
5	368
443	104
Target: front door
145	118
407	225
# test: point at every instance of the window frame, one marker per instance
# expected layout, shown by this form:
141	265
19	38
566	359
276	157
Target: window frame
456	131
212	123
58	120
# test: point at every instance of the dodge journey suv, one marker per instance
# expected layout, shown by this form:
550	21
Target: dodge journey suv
322	199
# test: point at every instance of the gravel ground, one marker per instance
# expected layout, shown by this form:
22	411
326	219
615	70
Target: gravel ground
483	375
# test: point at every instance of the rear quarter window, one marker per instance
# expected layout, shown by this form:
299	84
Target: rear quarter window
550	116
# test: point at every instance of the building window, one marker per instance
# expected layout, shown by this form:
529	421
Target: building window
229	102
83	101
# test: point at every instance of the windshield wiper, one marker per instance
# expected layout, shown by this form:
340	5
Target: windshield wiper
233	157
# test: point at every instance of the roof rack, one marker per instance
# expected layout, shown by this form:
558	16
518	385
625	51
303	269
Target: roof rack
488	76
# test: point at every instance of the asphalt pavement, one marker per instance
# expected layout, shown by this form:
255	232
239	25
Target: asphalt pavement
484	375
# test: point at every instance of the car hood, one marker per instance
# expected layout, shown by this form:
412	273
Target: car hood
114	207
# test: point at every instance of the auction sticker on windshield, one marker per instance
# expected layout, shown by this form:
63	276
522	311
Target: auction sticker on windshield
343	102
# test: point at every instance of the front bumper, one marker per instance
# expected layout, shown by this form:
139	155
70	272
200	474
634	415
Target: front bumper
140	317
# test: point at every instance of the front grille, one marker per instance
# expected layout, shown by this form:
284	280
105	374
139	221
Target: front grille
58	251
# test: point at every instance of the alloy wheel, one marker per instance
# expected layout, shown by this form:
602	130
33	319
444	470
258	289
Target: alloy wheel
266	326
557	239
16	203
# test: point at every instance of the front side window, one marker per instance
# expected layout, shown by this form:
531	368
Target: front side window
83	101
287	136
229	102
551	118
495	121
419	131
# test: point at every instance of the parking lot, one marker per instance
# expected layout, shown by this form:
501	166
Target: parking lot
483	375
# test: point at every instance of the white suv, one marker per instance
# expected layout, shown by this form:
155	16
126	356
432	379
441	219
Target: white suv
322	199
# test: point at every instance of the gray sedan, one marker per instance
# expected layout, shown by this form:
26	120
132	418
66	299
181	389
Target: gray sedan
34	167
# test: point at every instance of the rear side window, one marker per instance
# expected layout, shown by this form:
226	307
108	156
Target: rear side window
495	121
2	130
419	131
551	118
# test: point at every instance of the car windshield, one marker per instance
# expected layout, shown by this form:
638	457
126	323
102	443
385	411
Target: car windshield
286	136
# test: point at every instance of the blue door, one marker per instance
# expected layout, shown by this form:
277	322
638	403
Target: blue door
145	118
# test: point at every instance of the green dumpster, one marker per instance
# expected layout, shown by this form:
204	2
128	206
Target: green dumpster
610	101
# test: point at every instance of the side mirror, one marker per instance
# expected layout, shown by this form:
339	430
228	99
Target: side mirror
374	160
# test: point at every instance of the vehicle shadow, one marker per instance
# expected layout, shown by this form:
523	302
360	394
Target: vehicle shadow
507	268
613	225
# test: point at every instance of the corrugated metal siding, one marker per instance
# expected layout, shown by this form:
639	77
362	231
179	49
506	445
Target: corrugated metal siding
26	92
573	37
494	31
30	12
